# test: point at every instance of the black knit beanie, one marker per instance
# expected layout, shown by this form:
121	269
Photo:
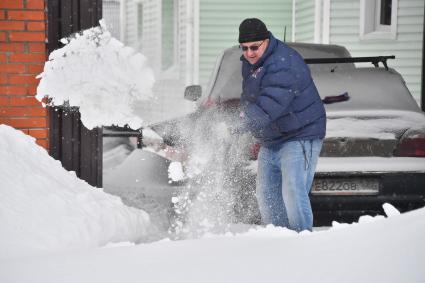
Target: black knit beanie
252	30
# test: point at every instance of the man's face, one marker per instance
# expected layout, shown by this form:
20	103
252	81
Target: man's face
252	51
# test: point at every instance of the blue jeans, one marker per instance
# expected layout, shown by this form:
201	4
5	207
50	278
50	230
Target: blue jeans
284	178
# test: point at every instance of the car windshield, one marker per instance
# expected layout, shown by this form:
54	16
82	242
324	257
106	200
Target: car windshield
228	81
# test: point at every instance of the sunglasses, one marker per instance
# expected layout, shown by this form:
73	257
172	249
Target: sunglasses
252	47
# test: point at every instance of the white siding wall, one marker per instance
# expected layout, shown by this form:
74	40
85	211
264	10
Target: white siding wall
169	85
131	23
407	47
219	25
151	42
185	32
181	38
167	34
304	20
111	14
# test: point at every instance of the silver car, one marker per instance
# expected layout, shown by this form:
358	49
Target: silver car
374	150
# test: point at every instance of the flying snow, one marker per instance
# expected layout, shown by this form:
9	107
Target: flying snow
101	76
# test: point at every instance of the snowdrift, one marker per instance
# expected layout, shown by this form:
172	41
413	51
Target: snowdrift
43	207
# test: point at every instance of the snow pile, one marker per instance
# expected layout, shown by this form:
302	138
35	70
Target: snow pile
43	207
100	75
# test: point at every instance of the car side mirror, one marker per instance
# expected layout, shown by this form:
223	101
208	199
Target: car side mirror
193	92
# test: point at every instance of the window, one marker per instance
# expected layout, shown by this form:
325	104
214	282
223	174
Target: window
378	19
385	17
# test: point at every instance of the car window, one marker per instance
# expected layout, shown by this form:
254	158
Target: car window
228	83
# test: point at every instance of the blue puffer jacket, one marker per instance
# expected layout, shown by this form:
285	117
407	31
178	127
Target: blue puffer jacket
279	98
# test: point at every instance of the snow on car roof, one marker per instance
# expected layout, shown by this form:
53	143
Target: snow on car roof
368	89
311	50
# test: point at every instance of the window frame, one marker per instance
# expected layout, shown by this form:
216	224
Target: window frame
370	15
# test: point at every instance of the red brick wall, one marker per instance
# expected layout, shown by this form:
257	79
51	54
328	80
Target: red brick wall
22	56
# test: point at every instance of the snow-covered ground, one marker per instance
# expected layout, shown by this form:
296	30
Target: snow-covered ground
56	228
387	250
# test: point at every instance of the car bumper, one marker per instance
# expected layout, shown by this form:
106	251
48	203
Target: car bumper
401	183
405	191
370	165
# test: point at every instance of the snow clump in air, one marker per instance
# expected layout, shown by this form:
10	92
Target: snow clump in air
175	171
98	74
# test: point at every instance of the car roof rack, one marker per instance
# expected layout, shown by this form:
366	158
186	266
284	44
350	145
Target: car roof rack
374	60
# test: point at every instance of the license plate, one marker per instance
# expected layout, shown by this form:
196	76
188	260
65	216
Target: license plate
348	186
